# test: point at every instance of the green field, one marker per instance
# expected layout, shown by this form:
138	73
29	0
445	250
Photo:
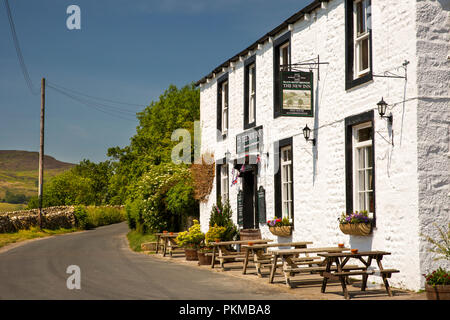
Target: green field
19	173
7	207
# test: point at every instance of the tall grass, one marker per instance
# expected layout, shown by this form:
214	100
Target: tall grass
32	233
92	217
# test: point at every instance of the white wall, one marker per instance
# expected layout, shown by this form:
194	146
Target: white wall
433	49
319	173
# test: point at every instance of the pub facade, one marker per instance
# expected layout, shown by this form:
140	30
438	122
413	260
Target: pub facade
343	107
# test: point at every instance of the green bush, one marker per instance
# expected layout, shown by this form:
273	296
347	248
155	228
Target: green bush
214	233
81	217
134	214
102	216
221	215
92	217
191	238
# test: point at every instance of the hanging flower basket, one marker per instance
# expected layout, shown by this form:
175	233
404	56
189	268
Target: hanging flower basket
356	229
283	231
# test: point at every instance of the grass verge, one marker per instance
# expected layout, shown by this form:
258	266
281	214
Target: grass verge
135	239
32	233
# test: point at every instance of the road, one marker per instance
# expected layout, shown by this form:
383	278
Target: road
110	270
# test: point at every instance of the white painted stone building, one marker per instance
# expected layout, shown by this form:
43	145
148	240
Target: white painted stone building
407	163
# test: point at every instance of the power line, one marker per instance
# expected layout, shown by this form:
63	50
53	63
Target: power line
112	112
22	64
97	98
101	105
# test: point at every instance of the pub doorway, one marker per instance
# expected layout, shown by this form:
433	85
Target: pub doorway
249	185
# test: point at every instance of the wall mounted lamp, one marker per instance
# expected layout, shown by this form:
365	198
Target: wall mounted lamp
307	133
382	107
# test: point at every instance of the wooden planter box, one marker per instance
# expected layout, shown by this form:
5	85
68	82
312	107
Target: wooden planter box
283	231
204	259
438	292
356	229
191	254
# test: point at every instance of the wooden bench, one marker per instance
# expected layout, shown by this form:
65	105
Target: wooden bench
227	256
293	264
263	257
341	273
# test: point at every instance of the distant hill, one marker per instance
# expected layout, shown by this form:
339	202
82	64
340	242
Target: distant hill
15	160
19	171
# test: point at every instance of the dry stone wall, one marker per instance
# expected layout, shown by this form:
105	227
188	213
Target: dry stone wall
52	218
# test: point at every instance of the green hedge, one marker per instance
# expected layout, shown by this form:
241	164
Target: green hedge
91	217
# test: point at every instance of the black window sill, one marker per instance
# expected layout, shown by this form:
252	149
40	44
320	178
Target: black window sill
358	81
249	125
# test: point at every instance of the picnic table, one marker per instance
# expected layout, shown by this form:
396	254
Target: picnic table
340	273
166	241
225	255
262	257
293	262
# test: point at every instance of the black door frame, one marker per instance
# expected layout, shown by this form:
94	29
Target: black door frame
253	170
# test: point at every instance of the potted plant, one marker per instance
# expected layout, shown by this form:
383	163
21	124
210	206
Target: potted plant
437	285
204	259
280	227
190	240
356	224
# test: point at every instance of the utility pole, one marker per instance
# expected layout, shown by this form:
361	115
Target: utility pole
41	151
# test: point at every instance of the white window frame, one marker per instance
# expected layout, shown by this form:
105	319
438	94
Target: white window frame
224	182
286	181
282	62
224	89
357	206
358	38
251	93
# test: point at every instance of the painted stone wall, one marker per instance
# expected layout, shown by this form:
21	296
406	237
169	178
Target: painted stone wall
433	110
319	172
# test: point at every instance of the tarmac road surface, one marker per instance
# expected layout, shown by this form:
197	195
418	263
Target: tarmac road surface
110	270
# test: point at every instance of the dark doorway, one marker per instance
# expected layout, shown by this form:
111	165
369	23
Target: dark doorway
249	190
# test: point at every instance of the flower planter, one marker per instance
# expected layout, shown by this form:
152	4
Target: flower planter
283	231
204	259
356	229
191	254
437	292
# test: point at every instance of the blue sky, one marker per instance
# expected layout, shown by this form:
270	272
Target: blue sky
128	51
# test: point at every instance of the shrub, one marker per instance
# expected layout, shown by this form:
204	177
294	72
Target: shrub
81	217
92	217
102	216
221	216
134	218
191	238
214	233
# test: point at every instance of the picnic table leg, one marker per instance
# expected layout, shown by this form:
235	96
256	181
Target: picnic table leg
325	277
384	277
165	246
256	257
158	239
365	276
343	279
213	257
273	269
244	269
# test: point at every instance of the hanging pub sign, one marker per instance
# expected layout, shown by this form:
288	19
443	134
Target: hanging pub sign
249	141
296	93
